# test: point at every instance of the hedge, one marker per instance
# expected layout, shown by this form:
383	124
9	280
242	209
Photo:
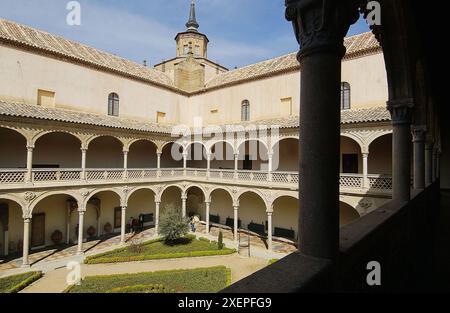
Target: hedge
28	279
98	259
141	289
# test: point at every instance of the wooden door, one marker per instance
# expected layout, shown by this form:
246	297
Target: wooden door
38	230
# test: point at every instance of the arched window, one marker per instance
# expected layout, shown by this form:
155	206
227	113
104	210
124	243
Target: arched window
345	96
113	104
245	111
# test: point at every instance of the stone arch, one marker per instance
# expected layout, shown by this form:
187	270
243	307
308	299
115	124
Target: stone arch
15	142
104	151
254	191
170	161
164	189
45	195
19	131
349	146
129	144
222	154
41	134
210	144
259	159
92	138
380	156
347	213
136	189
142	153
99	190
286	216
286	157
357	139
227	190
48	152
243	141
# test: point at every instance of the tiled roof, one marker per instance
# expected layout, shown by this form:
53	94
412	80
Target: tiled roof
378	114
36	39
61	115
356	45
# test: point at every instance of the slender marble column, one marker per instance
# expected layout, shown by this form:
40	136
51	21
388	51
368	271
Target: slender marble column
29	178
125	164
26	241
83	163
236	225
236	165
80	230
183	205
123	223
365	157
207	205
269	230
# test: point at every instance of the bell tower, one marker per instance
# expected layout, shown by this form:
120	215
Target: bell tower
191	37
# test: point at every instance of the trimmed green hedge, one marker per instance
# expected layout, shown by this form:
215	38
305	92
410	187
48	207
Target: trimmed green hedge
199	280
15	283
142	289
273	261
115	257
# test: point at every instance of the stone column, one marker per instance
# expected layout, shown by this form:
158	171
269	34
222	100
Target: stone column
320	30
401	112
270	166
428	163
29	178
122	224
208	165
68	225
80	230
157	205
184	163
158	164
26	241
208	205
269	230
6	238
418	133
236	224
183	204
365	157
236	165
83	163
125	164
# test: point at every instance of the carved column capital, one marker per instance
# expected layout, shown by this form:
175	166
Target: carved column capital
401	110
418	133
321	24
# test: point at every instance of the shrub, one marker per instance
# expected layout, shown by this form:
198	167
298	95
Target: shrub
173	225
16	283
135	247
220	244
141	289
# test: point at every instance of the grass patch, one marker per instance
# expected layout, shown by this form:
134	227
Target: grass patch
16	283
200	280
273	261
157	249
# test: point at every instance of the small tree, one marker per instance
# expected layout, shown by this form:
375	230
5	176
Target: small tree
220	244
172	225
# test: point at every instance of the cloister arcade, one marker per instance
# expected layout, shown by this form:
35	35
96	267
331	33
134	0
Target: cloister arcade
114	162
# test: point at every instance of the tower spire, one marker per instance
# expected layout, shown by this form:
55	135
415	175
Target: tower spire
192	24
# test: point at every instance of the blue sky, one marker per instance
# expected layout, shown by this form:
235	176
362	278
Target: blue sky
241	32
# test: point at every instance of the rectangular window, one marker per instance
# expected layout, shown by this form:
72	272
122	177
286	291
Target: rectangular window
46	98
350	164
286	107
160	117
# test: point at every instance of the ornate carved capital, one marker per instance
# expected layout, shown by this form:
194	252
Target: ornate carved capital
401	111
321	24
418	133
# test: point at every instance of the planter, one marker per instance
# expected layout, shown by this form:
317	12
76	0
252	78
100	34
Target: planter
107	228
91	231
57	237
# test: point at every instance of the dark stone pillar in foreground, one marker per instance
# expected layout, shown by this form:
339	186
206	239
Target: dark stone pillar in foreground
401	112
320	27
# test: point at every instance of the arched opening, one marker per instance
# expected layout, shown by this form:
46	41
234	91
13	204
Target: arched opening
102	218
347	214
105	152
351	157
57	150
171	197
14	147
221	209
11	228
253	155
196	156
49	225
195	203
172	156
142	204
286	155
380	156
142	154
222	156
253	213
286	218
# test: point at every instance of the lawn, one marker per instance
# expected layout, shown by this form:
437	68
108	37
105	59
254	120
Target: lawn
188	246
13	284
200	280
